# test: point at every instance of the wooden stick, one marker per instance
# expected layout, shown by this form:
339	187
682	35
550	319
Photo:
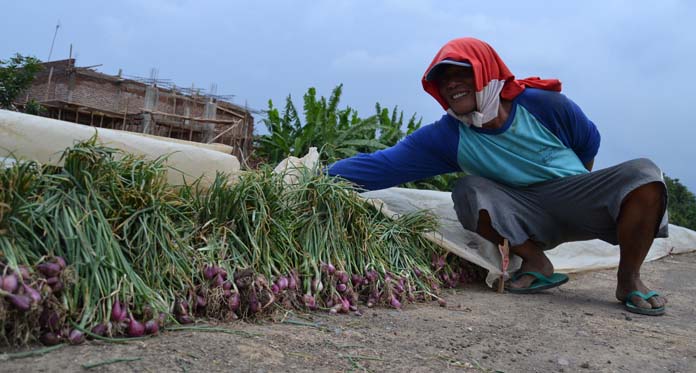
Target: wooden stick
228	111
234	126
48	84
125	112
504	261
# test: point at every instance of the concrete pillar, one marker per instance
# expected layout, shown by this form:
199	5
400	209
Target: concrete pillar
151	98
209	128
71	85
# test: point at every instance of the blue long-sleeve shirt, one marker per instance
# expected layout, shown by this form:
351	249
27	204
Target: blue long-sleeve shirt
546	136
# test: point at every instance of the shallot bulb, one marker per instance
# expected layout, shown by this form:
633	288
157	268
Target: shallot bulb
32	293
218	281
342	277
49	269
151	327
118	312
292	282
395	302
233	302
60	261
283	283
24	272
49	339
309	301
49	320
135	328
371	275
21	302
356	279
76	337
209	272
100	330
9	282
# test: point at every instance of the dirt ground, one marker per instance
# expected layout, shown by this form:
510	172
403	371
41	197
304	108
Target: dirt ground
578	327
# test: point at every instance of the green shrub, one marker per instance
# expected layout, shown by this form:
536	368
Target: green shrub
681	204
338	133
16	75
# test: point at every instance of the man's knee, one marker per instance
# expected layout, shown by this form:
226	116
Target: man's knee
468	187
642	168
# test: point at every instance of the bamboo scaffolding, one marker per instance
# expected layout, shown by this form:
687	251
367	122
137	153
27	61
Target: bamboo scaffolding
195	119
232	127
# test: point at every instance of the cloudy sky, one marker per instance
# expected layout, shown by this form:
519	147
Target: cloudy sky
626	63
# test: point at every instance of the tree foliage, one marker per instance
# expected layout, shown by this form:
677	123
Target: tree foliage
16	75
681	204
338	133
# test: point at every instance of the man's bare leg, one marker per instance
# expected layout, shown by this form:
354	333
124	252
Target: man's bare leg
639	218
533	259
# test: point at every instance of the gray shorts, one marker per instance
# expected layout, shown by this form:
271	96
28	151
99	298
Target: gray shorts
574	208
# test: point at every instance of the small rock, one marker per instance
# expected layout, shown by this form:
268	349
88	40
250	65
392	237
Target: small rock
628	318
585	365
608	361
589	313
563	361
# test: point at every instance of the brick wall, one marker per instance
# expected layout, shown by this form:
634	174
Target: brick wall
98	91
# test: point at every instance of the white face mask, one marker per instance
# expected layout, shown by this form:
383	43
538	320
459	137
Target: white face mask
488	99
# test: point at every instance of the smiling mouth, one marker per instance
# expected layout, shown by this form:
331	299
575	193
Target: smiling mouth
459	95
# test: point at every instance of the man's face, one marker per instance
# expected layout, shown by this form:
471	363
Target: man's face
456	86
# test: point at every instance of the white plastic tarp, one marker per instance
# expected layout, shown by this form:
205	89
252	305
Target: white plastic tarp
31	137
569	257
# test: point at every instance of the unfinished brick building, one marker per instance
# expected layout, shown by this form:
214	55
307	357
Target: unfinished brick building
83	95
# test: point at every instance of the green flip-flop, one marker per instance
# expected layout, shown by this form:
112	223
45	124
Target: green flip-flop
631	307
540	283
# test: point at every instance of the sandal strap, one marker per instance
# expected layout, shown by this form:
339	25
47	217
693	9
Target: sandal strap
537	275
646	296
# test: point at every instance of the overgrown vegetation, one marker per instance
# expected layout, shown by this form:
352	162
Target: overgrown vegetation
16	75
338	133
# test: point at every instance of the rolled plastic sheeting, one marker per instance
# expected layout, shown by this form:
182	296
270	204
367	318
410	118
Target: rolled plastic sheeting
222	148
24	136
